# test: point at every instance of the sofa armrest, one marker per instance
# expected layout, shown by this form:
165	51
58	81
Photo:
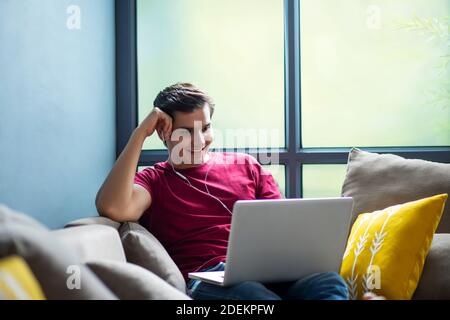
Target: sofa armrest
94	220
435	280
93	242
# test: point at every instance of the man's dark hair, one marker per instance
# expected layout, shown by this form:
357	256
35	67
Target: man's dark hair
183	97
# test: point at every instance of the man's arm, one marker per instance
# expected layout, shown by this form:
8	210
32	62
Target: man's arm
119	198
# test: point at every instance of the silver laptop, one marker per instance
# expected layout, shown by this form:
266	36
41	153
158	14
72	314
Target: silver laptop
283	240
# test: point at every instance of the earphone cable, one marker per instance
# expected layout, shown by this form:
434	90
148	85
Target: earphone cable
204	182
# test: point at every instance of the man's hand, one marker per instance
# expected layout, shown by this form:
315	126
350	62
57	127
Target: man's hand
157	120
372	296
118	197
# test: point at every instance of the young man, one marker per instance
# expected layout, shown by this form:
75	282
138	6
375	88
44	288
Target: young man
187	201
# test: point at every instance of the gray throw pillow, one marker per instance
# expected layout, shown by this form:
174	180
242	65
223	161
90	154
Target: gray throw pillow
49	260
435	280
143	249
93	220
9	216
377	181
132	282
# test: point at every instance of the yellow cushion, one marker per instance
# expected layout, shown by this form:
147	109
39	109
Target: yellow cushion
387	248
17	282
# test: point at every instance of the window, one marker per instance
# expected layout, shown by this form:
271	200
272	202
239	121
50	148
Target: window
235	56
326	75
323	180
375	73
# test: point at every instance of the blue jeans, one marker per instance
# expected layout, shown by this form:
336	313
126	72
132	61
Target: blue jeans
318	286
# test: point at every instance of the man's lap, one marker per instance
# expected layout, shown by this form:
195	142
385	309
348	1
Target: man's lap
316	286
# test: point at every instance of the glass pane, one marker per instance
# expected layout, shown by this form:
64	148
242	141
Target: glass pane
234	50
375	73
277	171
323	180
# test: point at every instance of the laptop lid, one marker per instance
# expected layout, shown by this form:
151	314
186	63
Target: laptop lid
286	239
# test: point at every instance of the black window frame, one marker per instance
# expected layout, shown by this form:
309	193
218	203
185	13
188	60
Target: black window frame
293	157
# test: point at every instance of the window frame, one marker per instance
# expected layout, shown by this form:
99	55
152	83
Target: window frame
293	157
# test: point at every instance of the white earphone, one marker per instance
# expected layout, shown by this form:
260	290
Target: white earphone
206	187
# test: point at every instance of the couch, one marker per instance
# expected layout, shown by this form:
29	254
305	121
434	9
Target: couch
98	244
434	284
125	261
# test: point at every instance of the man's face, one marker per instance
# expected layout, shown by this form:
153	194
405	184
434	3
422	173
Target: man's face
191	137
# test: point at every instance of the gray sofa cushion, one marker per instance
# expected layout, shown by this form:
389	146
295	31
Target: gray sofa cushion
379	181
143	249
9	216
49	261
93	242
132	282
93	220
435	280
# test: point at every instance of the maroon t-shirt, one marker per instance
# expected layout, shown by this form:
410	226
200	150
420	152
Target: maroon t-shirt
193	226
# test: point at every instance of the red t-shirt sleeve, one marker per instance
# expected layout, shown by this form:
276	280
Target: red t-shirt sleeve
146	178
266	186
